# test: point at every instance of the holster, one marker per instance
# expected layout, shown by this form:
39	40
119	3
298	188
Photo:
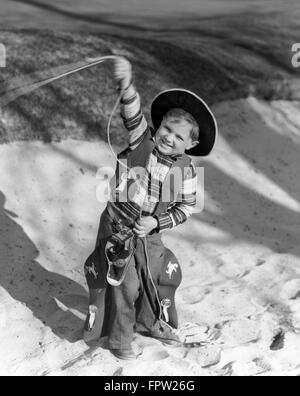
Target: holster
119	250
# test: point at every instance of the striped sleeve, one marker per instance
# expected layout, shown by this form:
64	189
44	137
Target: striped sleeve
133	117
185	204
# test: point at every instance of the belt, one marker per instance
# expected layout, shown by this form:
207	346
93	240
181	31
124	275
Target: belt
117	218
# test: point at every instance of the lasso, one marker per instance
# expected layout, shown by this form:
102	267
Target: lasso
22	86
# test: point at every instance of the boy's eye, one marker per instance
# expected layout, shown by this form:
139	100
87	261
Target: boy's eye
179	138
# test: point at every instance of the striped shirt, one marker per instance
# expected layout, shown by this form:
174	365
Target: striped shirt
149	190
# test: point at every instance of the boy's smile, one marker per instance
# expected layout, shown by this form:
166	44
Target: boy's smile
174	137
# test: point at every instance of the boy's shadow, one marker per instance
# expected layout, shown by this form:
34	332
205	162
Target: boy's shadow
48	295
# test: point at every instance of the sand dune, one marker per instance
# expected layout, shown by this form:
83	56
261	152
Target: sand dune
242	276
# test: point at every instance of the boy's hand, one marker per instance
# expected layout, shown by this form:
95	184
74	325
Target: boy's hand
123	72
144	226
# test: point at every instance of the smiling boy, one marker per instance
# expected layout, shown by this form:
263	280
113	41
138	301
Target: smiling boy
142	298
178	132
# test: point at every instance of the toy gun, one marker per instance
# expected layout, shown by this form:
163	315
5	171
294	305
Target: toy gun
119	250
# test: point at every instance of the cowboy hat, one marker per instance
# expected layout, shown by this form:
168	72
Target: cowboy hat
193	104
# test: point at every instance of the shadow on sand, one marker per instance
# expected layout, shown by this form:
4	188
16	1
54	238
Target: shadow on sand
49	296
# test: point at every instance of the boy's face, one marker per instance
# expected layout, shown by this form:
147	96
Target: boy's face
174	137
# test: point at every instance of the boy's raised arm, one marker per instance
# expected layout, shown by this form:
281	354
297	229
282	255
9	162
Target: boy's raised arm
131	111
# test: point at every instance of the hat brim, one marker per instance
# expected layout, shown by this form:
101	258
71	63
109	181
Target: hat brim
193	104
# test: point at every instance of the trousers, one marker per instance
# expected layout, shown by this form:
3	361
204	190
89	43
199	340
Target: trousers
153	274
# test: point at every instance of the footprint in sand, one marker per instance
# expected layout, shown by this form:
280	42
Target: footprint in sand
278	341
194	295
291	290
154	354
206	357
153	350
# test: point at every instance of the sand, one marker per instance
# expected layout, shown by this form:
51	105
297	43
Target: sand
241	275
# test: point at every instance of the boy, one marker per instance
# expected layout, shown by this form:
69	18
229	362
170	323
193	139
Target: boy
131	276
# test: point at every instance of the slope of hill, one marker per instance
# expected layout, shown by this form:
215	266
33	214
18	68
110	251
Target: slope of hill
228	57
